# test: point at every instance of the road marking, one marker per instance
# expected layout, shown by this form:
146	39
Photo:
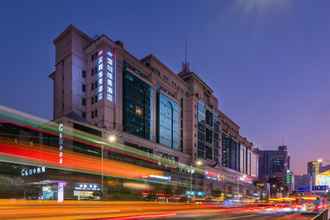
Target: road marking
241	216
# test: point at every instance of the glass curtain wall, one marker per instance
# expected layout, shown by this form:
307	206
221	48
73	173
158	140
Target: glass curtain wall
137	105
169	122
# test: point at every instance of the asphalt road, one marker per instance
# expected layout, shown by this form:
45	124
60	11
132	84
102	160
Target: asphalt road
98	210
213	215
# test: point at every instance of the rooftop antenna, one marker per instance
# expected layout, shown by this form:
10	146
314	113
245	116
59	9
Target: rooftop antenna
185	51
185	65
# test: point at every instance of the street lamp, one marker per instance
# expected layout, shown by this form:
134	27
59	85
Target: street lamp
112	138
199	163
320	160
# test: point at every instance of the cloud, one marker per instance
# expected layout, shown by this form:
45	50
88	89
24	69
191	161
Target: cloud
262	6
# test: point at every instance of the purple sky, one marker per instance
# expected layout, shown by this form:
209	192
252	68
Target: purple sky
267	60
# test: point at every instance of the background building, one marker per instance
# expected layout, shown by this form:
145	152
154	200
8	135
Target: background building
274	167
302	183
313	170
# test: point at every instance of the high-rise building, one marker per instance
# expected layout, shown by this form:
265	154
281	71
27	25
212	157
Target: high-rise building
274	167
313	169
97	81
148	106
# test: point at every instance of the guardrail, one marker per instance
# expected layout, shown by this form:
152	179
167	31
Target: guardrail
322	216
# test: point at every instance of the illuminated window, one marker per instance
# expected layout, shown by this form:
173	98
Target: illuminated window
99	96
109	53
109	82
100	74
109	75
110	90
99	60
100	53
109	68
100	81
109	61
100	89
109	97
100	67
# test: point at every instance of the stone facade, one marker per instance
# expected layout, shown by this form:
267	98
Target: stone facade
89	78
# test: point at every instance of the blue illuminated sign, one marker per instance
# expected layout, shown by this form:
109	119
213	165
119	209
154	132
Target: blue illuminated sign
320	188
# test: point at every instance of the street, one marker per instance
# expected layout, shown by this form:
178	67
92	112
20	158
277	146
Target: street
96	210
256	215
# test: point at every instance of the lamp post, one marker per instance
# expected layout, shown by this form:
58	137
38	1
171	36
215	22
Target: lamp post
112	138
240	178
192	171
198	163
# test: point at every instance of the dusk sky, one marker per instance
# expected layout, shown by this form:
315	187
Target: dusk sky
268	61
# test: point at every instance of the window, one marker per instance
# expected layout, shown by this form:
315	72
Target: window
209	136
208	153
169	122
100	89
99	96
83	101
83	74
109	60
100	81
136	94
209	118
109	97
109	82
83	87
109	68
83	114
99	60
100	67
109	75
100	74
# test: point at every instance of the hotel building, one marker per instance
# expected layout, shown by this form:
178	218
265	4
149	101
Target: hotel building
99	85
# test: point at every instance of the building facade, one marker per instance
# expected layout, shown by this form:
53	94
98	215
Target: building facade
147	106
313	170
274	167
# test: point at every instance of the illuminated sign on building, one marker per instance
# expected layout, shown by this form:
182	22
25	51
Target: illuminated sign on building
105	75
60	142
99	80
323	180
110	76
87	187
320	188
32	171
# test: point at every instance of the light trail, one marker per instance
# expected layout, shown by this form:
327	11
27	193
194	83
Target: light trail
74	161
10	115
48	127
